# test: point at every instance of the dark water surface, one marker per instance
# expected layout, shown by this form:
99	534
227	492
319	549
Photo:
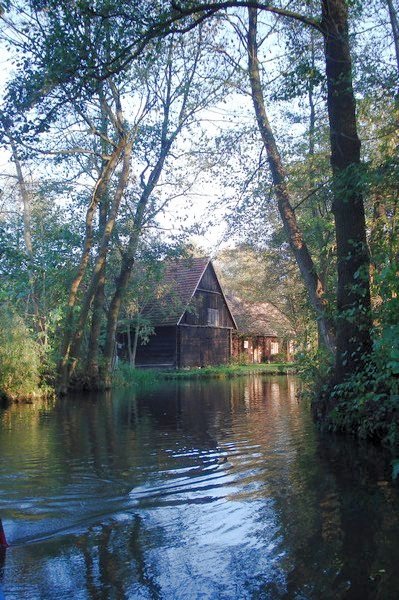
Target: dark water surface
193	490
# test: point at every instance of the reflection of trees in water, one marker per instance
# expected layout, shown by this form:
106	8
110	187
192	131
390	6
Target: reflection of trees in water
117	564
340	522
337	510
3	553
107	561
368	509
322	512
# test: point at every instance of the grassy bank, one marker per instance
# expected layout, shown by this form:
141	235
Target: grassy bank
228	371
126	375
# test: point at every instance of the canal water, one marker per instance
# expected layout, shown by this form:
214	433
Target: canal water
192	490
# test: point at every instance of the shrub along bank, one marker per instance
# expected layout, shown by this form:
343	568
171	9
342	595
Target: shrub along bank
21	359
366	404
126	375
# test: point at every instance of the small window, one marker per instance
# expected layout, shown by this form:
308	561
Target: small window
274	348
213	316
246	344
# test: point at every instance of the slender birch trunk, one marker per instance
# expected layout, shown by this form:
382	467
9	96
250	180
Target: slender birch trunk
26	198
129	344
135	344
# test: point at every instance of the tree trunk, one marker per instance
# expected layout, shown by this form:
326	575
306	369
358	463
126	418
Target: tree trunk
125	273
319	230
92	370
129	344
71	358
114	309
395	30
305	263
98	192
130	253
353	264
135	343
40	324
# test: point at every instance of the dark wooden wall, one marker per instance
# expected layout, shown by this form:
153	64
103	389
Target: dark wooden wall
160	350
194	342
185	346
202	346
209	280
207	295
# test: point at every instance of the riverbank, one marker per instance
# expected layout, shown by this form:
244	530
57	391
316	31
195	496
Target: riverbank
126	375
44	393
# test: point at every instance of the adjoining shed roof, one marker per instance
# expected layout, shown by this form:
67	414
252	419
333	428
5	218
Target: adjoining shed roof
260	318
179	282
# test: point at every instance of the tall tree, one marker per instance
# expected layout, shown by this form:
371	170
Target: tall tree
26	197
313	283
353	327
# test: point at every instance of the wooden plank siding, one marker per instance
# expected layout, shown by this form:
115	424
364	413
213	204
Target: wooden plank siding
202	346
208	295
202	341
197	312
160	350
201	333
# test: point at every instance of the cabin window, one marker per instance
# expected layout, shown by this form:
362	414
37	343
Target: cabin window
213	316
246	344
274	348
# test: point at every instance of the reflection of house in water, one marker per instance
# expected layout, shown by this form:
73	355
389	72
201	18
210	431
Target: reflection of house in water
264	333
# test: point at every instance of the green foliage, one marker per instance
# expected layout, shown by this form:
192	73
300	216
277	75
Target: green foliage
314	367
229	371
126	376
20	357
367	404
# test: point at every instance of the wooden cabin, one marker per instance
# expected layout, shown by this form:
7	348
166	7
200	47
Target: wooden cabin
264	333
192	321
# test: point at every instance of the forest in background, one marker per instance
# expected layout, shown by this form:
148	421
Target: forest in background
119	115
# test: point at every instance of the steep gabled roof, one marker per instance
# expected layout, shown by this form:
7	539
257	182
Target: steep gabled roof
179	284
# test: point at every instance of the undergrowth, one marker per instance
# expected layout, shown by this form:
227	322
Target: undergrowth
366	404
125	375
21	360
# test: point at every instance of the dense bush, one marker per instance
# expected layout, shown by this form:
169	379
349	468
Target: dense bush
125	375
367	403
20	357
